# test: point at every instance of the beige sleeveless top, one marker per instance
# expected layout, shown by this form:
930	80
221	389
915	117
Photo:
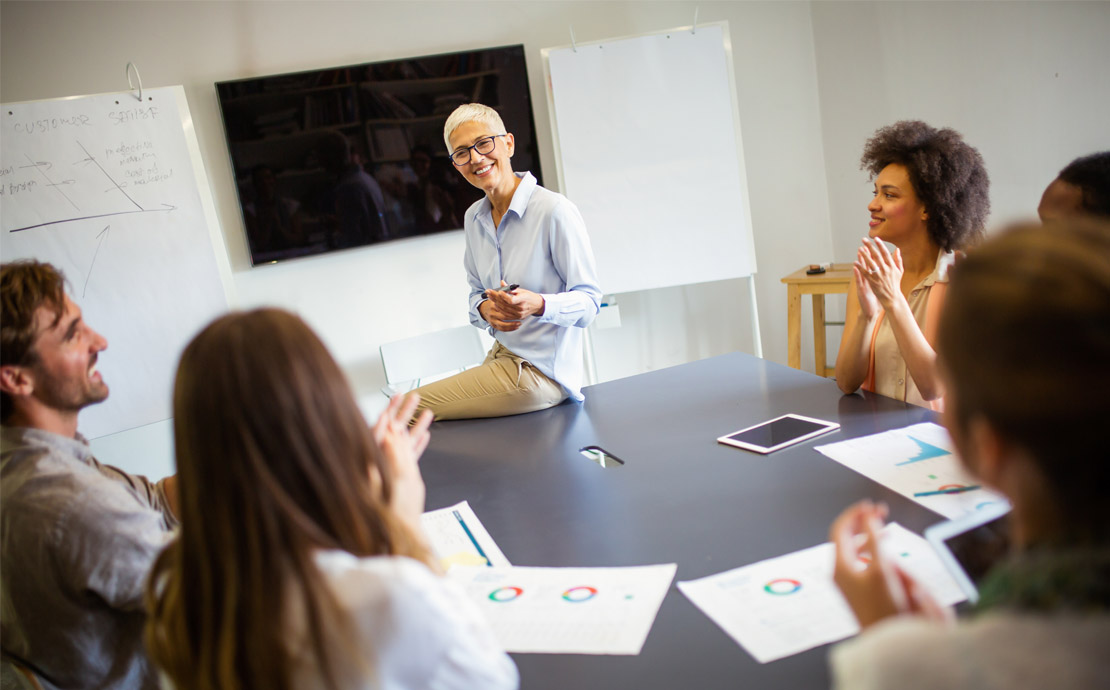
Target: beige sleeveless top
888	374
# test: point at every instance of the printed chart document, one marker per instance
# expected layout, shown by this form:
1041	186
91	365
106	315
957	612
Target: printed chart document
568	610
458	538
786	605
918	462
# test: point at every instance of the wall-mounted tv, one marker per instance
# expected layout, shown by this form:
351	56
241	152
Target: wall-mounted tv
351	156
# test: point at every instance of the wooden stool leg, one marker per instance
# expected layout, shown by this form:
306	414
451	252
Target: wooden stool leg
794	327
820	361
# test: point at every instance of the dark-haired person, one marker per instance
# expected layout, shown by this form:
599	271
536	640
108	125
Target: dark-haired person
433	207
300	562
79	537
354	200
274	221
930	199
1028	418
1083	187
523	236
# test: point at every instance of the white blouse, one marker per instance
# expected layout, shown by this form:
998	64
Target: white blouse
409	629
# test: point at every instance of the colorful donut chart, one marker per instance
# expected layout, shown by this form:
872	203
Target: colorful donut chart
782	586
580	594
505	594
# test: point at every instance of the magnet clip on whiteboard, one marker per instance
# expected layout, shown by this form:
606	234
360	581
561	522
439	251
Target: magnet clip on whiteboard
127	71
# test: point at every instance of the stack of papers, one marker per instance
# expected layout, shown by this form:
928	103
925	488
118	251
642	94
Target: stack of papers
786	605
918	462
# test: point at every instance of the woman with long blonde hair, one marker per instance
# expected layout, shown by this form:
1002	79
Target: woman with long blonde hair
300	562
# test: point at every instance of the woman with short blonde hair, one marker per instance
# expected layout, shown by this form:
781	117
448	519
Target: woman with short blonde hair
533	283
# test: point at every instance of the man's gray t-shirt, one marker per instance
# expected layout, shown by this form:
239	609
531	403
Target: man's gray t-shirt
78	542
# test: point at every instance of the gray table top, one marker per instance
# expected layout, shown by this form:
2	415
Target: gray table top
680	497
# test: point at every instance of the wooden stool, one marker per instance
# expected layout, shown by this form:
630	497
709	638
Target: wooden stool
836	280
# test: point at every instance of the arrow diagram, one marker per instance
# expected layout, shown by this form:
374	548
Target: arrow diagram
102	235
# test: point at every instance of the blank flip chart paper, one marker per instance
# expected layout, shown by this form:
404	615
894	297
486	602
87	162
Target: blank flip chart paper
785	605
568	610
647	138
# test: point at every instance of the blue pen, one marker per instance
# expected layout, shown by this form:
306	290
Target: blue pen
958	490
472	539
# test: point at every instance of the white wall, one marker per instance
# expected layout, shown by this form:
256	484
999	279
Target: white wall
1025	82
361	298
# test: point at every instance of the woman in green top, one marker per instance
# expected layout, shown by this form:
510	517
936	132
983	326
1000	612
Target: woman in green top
1024	351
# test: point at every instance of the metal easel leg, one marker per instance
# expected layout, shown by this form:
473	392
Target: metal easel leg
757	341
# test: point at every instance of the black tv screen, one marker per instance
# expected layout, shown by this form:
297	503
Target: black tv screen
350	156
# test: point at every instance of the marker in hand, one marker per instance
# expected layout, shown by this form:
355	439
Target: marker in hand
504	288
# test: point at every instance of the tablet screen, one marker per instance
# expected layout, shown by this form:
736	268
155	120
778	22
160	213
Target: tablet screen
971	545
778	431
977	550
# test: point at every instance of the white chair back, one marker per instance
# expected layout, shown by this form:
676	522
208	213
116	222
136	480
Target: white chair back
431	354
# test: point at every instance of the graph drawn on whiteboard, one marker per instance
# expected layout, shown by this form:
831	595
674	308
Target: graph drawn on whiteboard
101	236
109	190
83	189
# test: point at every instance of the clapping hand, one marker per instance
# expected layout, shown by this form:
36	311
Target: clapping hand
868	304
878	275
497	318
509	307
875	587
402	444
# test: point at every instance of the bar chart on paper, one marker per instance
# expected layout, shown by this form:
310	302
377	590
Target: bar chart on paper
918	462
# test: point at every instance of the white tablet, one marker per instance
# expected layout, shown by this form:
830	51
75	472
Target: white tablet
777	433
970	546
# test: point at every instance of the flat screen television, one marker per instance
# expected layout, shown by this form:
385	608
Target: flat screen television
350	156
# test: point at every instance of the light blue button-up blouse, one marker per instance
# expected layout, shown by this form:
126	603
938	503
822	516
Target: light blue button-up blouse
541	245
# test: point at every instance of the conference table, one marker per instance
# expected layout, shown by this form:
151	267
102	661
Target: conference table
680	497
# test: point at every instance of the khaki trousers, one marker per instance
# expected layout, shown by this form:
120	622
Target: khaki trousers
504	384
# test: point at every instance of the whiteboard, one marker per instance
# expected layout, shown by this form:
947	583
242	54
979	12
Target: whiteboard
109	188
647	143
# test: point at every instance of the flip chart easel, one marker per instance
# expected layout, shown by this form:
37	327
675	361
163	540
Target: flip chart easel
647	142
111	189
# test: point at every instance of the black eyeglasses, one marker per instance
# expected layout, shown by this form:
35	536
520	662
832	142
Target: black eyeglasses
482	146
